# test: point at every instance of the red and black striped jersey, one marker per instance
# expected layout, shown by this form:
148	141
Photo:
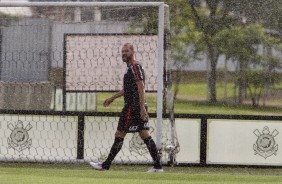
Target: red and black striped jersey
133	74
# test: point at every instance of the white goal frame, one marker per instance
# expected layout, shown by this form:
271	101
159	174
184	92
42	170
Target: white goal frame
161	20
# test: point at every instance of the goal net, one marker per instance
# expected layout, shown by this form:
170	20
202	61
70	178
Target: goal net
59	61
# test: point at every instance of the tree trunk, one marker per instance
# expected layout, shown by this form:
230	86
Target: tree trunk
212	76
242	82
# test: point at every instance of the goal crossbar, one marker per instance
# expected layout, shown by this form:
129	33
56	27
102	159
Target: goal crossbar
161	14
77	4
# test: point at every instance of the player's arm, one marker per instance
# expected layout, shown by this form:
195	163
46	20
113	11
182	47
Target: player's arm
108	101
141	92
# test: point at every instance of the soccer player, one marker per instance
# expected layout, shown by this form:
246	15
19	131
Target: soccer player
134	116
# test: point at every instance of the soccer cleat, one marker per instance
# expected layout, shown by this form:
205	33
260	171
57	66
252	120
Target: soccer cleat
151	170
97	166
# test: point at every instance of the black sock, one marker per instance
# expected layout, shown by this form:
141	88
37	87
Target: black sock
116	147
153	152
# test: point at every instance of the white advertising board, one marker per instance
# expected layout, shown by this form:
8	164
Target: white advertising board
38	138
244	142
99	137
188	132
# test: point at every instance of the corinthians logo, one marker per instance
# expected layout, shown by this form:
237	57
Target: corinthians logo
265	145
19	138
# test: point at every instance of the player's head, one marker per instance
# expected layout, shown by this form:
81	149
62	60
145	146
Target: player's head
127	52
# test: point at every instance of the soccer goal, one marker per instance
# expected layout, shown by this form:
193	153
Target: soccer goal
60	60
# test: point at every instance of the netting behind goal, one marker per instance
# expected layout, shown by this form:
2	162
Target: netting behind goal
93	61
54	138
59	61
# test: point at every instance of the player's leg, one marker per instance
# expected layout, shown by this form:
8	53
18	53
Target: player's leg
116	147
151	145
123	124
118	142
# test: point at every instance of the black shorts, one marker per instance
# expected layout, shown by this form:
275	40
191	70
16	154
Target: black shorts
130	120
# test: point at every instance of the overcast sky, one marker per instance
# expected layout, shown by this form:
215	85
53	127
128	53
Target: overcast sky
20	11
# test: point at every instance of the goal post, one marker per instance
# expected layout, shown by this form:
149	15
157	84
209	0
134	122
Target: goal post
48	41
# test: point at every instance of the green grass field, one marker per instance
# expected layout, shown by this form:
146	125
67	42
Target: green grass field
26	173
191	99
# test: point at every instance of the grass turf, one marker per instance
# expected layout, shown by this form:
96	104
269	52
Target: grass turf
26	173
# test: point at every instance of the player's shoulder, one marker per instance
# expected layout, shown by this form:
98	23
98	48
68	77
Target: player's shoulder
135	64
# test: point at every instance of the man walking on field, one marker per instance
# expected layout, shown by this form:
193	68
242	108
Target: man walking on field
134	116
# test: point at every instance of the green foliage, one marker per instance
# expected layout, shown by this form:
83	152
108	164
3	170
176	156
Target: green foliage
242	42
256	82
183	33
235	29
255	78
267	12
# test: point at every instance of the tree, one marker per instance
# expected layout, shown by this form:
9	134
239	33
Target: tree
256	68
194	26
210	19
183	38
